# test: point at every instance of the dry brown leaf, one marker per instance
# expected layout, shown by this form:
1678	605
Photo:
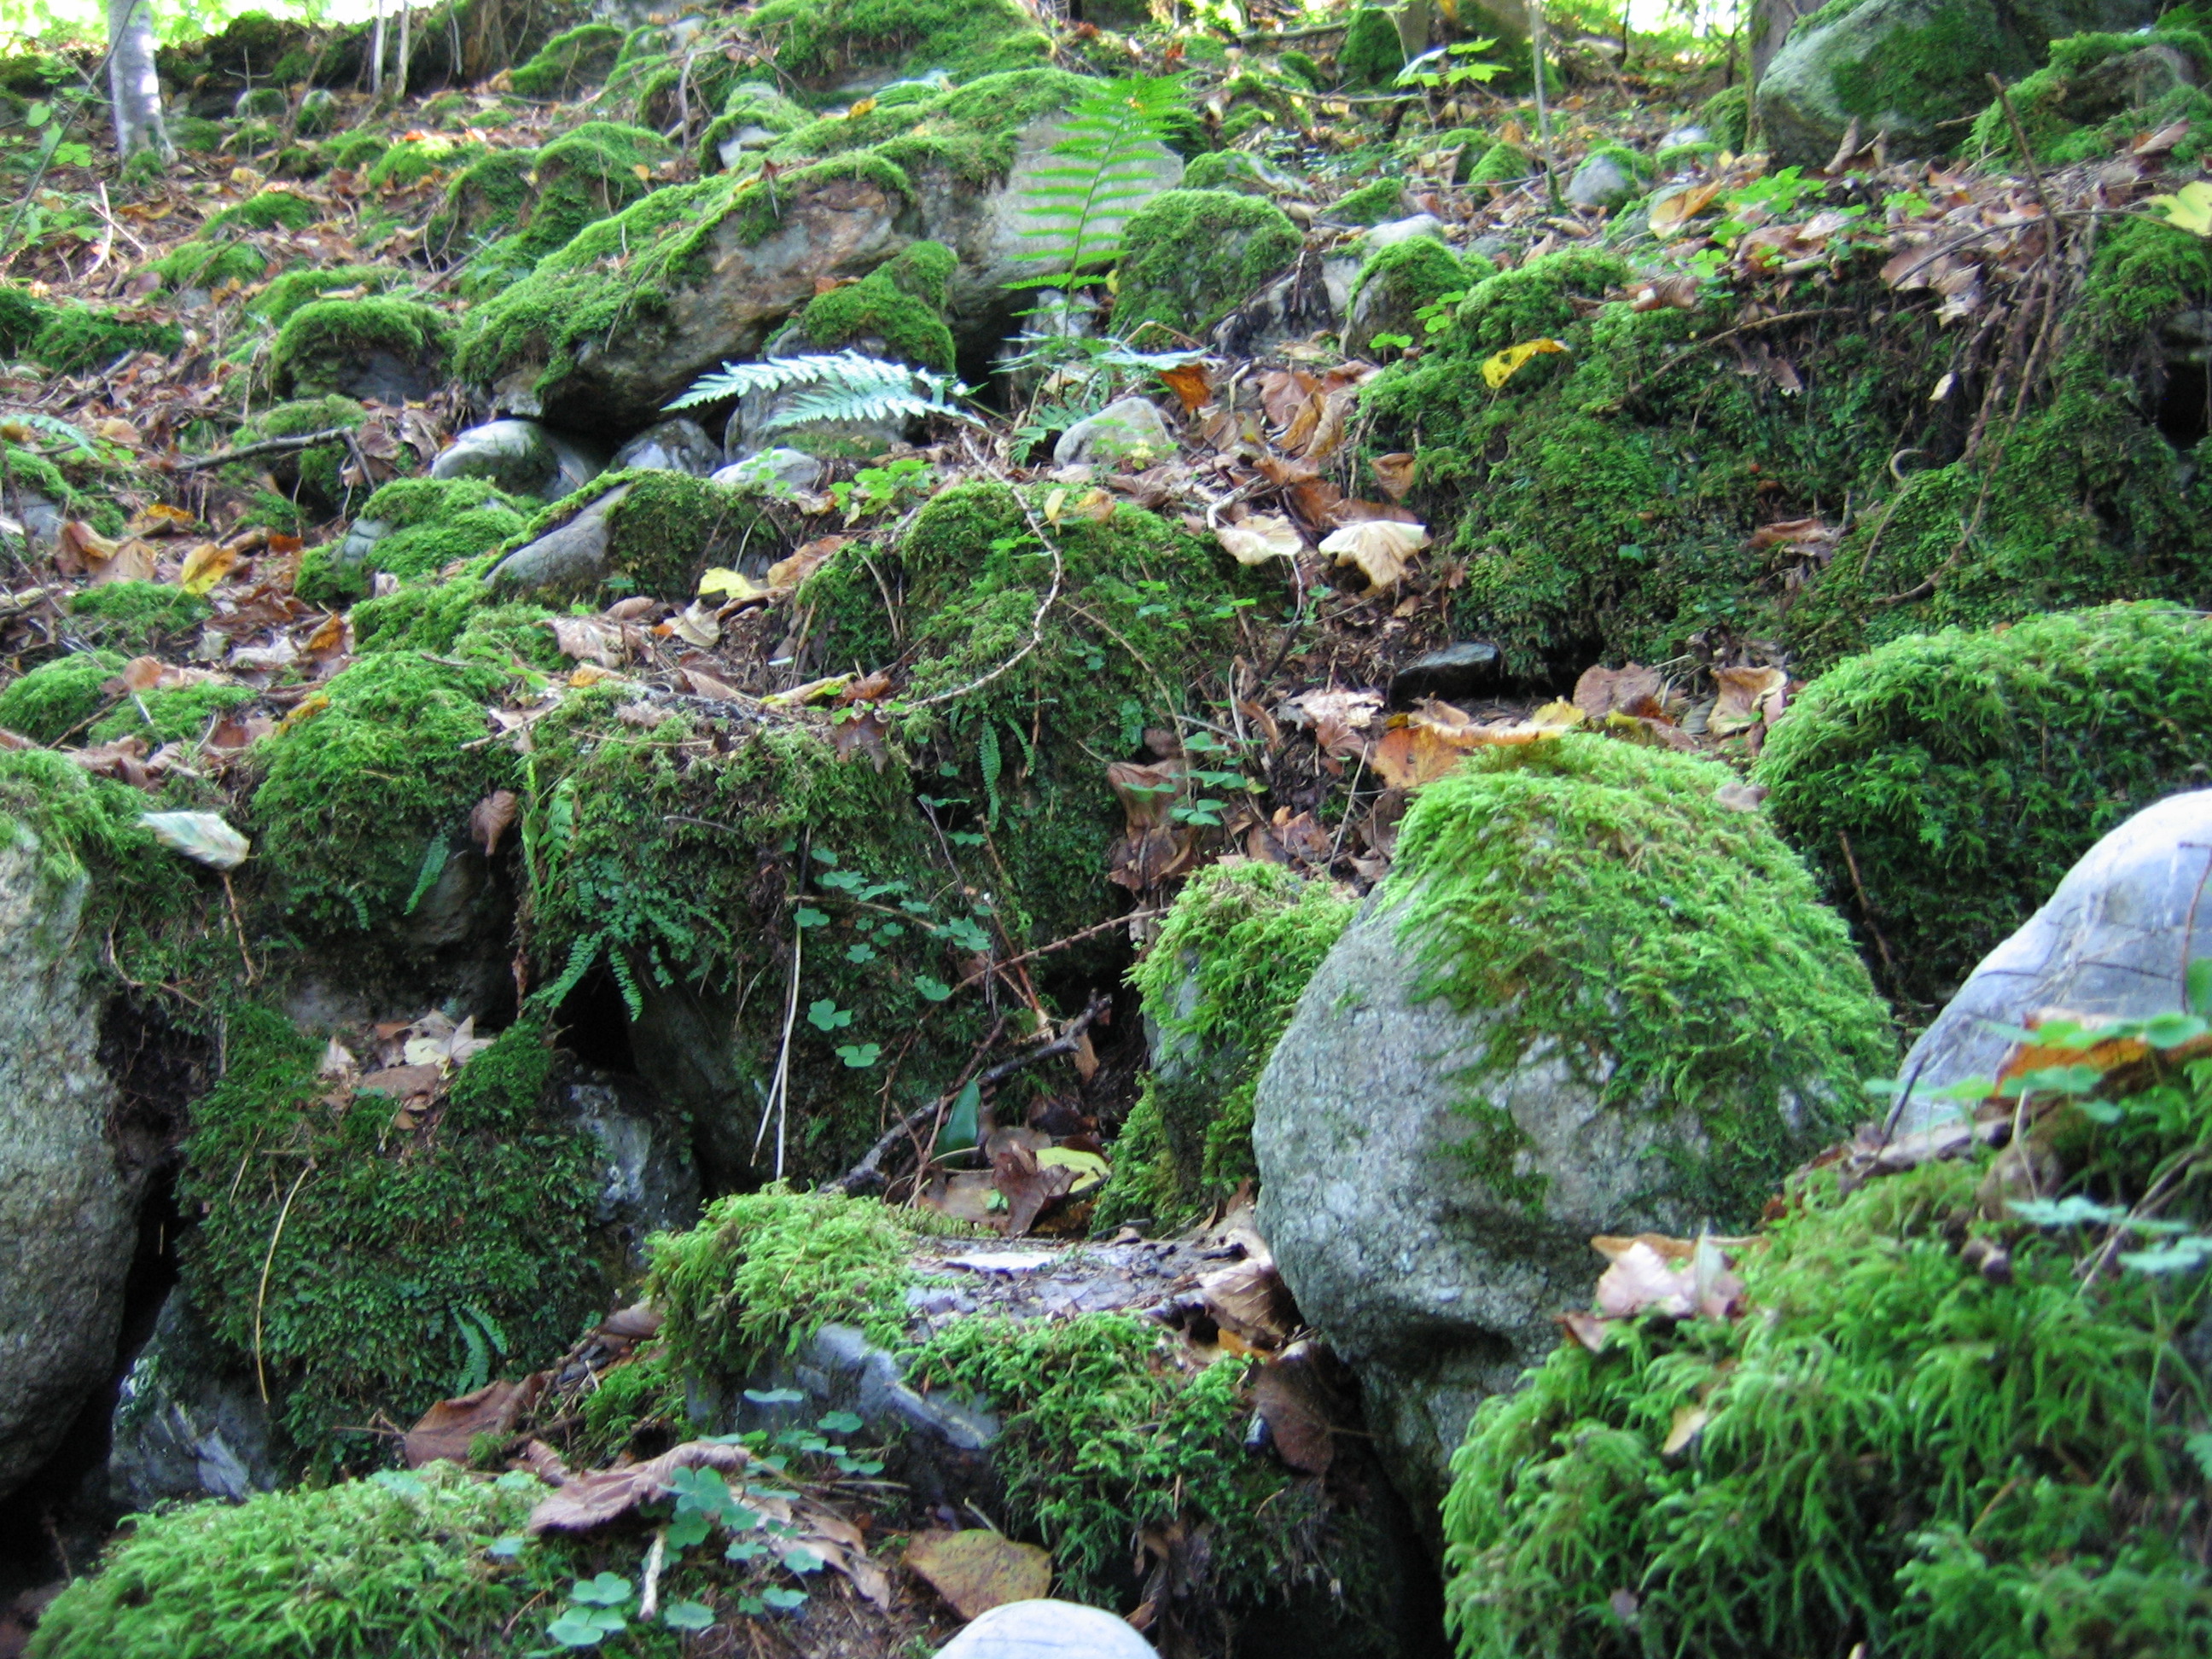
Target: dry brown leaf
491	818
788	573
1747	696
1289	1400
1634	689
1689	1422
1381	549
206	565
447	1428
1393	474
1263	537
1191	384
1641	1280
584	1501
1027	1186
1250	1299
1406	757
142	673
1671	215
979	1570
330	636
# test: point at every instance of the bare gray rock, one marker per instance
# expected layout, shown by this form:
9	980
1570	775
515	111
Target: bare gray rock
575	555
1129	429
675	445
2113	941
522	458
189	1423
1047	1630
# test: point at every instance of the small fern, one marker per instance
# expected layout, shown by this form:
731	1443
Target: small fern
842	386
1105	161
988	757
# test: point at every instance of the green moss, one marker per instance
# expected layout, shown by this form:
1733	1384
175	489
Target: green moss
324	342
1225	169
289	290
483	202
363	149
209	265
456	618
1969	770
268	210
21	317
899	303
194	134
1592	898
1220	985
320	112
411	160
587	174
1371	205
312	473
1371	55
1895	1448
1190	256
1304	67
761	1273
1727	116
751	103
568	62
821	40
77	338
1930	71
135	618
358	788
435	523
1501	164
2069	114
1418	271
407	1269
256	1579
57	697
181	714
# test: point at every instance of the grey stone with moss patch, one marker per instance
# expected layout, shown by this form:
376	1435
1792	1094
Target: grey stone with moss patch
1395	231
68	1198
2109	943
1130	430
522	458
1045	1629
1603	180
772	471
189	1422
575	555
675	445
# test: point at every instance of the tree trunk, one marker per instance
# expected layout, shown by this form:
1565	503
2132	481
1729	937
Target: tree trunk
133	88
406	46
376	55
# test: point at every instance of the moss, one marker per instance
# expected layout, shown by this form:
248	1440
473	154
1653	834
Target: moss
385	762
58	697
1929	71
751	105
312	474
450	520
288	291
320	112
970	132
1371	55
822	40
1968	770
254	1579
2071	114
1371	205
587	174
2017	1481
1675	158
1727	116
761	1273
1225	169
135	618
1300	64
1501	164
21	317
483	202
568	62
1191	256
209	265
456	618
363	149
899	303
324	342
263	103
194	134
1592	899
180	714
268	210
411	160
667	528
1418	271
77	338
1219	986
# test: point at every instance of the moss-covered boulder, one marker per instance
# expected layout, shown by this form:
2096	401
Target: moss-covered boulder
1941	785
310	475
73	338
839	42
412	527
209	264
645	531
379	351
1590	998
1191	256
568	62
1395	284
288	291
2098	91
1905	67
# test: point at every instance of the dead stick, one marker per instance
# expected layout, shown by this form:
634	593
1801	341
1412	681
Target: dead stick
1060	945
269	447
2027	155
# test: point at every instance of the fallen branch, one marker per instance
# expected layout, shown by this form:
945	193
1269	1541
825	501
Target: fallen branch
868	1171
1077	938
270	446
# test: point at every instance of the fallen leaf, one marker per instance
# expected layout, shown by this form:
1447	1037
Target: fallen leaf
1502	366
585	1501
734	586
1190	383
1670	216
329	636
1381	549
1263	537
1087	1170
158	519
1288	1396
1406	757
448	1427
1250	1299
1634	689
979	1570
1689	1422
1393	474
1641	1280
1747	696
695	625
202	836
2189	208
142	673
803	562
1026	1186
491	818
206	565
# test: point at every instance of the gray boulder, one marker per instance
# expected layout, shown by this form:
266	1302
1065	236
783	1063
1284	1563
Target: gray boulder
1903	67
1603	181
573	556
675	445
1047	1630
189	1422
68	1193
522	458
1129	429
648	1182
773	472
1395	231
2111	943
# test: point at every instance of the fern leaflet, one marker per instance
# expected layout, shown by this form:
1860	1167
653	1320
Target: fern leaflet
1106	158
842	386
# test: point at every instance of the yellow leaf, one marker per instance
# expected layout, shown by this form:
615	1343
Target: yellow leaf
1501	366
643	172
2189	208
1263	537
1380	547
866	105
1090	1168
205	566
741	588
1053	504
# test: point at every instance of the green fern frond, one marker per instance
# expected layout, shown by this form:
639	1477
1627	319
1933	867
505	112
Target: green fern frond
843	385
1104	163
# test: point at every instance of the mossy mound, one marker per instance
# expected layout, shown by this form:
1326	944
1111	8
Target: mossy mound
588	173
268	210
362	150
76	338
413	1552
568	62
368	780
310	475
1225	169
1965	772
901	303
180	714
1371	205
289	290
482	203
751	106
1191	256
1219	984
209	265
2100	93
1712	982
326	344
428	523
21	317
58	697
1371	55
135	618
1501	164
1893	1445
409	161
824	40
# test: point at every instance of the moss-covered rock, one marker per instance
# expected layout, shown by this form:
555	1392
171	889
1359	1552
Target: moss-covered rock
288	291
483	203
1191	256
412	527
362	150
1219	984
1371	205
1395	284
822	41
209	265
310	475
1501	164
371	347
21	317
2100	90
568	62
754	116
267	210
899	303
1591	997
76	338
59	697
1963	773
408	162
587	173
1372	54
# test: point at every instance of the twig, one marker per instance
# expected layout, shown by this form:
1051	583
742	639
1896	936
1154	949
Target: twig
270	446
261	1293
868	1170
1060	945
244	956
779	1086
1275	37
649	1594
2027	155
1696	346
1866	905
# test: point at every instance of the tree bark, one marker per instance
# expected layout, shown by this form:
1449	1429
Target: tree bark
376	55
133	87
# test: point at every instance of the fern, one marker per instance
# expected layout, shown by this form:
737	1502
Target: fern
987	754
1106	160
842	386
